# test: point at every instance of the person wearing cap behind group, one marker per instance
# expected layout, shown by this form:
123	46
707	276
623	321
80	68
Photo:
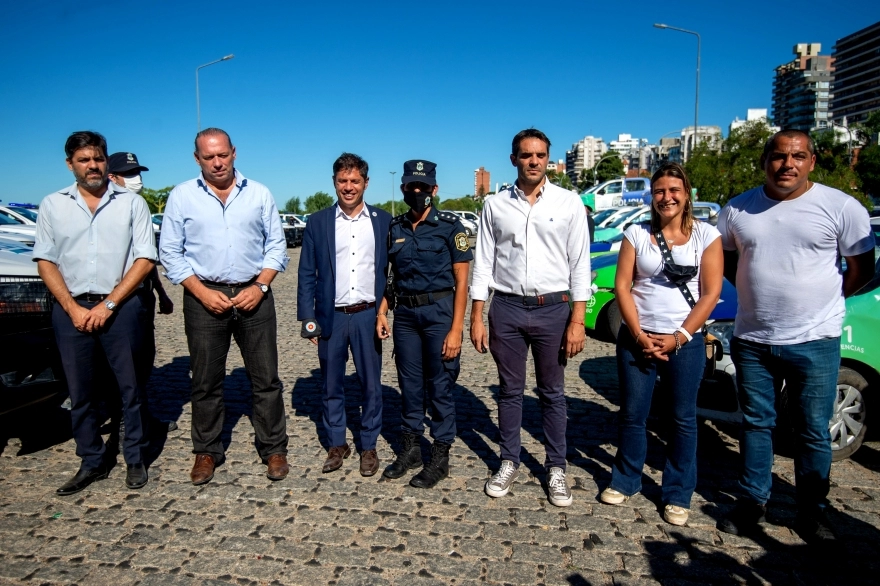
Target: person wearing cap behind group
341	277
428	253
125	171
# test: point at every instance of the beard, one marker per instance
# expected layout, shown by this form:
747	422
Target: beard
90	181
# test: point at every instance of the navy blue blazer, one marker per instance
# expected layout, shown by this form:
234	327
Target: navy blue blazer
316	286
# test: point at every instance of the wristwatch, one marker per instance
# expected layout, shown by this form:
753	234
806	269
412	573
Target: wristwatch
263	288
109	304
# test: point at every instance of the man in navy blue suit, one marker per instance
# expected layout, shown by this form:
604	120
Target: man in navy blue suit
341	276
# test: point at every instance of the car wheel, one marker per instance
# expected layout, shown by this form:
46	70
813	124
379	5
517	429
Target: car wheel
612	319
847	425
468	233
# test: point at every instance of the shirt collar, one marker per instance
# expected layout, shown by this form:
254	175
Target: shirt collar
522	195
240	181
364	213
110	194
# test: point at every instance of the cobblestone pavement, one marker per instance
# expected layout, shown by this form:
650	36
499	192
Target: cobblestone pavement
342	529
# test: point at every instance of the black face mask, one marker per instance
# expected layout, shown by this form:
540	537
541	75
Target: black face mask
679	274
419	202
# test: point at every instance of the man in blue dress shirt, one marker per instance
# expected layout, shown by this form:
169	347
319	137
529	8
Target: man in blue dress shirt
94	248
222	240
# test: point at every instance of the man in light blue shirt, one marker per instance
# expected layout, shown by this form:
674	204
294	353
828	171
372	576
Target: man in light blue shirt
222	240
94	248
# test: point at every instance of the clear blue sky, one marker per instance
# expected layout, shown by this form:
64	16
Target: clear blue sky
450	82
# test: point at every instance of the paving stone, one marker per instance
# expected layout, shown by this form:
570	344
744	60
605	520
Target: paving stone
343	556
18	568
114	576
511	573
61	574
161	559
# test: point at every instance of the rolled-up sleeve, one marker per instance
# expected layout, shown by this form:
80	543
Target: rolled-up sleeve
142	238
44	248
275	248
484	259
579	255
177	269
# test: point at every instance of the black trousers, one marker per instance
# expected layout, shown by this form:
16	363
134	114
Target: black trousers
208	336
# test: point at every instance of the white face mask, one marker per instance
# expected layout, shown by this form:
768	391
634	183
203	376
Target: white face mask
135	184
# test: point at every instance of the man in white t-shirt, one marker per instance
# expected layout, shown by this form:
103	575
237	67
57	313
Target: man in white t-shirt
783	244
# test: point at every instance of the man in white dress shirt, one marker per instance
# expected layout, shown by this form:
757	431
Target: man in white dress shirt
534	252
341	276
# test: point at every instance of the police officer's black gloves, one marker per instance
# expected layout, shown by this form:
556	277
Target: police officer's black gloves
310	329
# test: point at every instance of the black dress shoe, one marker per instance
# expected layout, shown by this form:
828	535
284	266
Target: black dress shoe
83	478
745	518
136	476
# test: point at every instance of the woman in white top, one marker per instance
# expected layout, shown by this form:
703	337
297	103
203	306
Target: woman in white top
662	332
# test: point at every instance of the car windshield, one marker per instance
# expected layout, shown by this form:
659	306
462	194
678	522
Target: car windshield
27	213
601	216
7	220
619	221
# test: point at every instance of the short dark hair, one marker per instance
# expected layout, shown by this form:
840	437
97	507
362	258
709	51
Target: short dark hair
82	139
788	133
528	133
687	218
211	132
349	161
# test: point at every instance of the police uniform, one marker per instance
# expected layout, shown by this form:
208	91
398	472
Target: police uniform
421	262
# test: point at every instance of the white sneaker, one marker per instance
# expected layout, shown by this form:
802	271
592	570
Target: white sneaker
498	485
557	487
610	496
675	515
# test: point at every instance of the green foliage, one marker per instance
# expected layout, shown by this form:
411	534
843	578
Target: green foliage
833	168
867	130
585	180
560	179
868	169
156	198
719	176
465	204
387	207
318	201
293	206
608	169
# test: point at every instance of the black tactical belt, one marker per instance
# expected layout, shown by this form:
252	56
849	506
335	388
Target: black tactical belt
356	308
423	298
546	299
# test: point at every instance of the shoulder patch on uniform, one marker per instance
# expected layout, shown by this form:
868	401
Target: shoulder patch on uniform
398	219
449	217
461	242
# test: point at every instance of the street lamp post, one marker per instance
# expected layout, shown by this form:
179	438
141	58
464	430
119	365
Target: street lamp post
393	173
198	107
596	166
697	101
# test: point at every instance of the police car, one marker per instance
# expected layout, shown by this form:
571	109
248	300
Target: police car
30	368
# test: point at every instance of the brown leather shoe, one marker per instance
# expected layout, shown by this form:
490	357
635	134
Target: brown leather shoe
203	469
278	467
369	462
335	455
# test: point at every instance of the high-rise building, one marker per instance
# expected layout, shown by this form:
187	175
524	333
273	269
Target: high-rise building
856	87
481	180
710	135
584	154
626	143
802	89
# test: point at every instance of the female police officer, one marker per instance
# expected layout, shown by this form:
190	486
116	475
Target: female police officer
428	256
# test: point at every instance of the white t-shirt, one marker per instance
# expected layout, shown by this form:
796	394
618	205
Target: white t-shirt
789	280
661	306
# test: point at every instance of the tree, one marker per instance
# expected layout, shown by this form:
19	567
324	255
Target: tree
610	168
833	166
560	179
156	198
465	204
868	170
585	179
293	206
318	201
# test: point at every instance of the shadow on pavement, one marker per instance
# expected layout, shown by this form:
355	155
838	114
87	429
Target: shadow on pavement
307	400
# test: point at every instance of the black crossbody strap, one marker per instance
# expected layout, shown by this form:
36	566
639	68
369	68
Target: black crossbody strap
667	258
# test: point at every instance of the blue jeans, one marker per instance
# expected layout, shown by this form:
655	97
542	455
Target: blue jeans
810	374
638	375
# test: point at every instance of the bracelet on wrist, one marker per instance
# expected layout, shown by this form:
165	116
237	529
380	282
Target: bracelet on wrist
685	333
